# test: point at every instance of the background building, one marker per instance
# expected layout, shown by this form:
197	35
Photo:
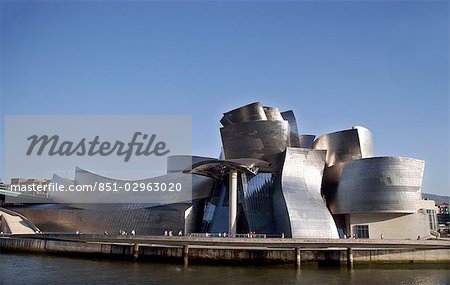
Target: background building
443	217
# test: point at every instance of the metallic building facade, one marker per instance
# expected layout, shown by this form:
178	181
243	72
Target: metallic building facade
368	195
143	199
249	113
145	218
307	141
355	143
378	185
264	140
294	138
284	197
288	184
301	179
254	131
144	221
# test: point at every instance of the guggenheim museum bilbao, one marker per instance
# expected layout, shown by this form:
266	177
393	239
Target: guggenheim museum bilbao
270	179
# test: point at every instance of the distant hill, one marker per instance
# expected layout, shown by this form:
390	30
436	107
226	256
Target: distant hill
436	198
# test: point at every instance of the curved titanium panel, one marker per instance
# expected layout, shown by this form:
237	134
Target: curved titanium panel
225	122
218	168
145	218
307	141
300	185
58	196
365	141
201	187
346	145
272	113
293	129
330	183
264	140
248	113
193	217
95	221
379	184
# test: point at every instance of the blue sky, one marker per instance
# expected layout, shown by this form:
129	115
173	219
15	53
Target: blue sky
381	64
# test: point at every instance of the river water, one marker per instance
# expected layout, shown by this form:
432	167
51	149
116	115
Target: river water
42	269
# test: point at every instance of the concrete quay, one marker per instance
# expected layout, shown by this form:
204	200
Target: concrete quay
232	250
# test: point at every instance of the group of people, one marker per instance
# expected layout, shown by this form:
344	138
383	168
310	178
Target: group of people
121	233
219	234
169	233
124	233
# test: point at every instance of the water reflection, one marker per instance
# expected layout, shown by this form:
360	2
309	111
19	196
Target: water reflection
35	269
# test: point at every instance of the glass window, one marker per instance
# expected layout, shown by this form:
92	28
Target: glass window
362	231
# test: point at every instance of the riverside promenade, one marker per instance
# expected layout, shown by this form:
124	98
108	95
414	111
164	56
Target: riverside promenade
232	250
13	222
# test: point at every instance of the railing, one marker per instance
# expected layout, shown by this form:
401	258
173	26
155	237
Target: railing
225	235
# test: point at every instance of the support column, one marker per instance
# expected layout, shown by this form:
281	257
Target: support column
186	255
135	251
349	258
232	200
298	257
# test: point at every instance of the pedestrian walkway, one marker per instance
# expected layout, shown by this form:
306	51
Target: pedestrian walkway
15	224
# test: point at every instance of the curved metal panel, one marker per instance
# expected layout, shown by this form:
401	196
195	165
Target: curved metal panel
193	217
307	141
95	221
61	197
225	122
301	179
201	188
145	218
365	141
218	168
272	113
248	113
293	129
330	183
264	140
355	143
379	184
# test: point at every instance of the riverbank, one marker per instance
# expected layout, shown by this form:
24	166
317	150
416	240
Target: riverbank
231	250
50	269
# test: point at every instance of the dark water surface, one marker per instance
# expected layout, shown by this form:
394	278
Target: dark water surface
42	269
